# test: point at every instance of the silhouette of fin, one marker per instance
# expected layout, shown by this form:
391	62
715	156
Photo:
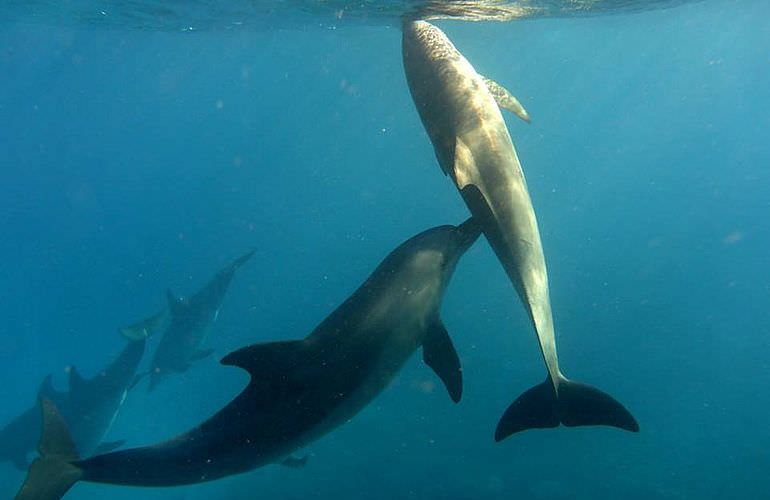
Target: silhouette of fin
277	369
76	381
268	360
577	404
439	353
52	474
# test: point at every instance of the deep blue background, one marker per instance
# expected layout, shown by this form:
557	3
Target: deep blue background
133	161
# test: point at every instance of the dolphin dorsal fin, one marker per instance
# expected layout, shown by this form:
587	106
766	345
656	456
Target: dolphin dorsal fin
176	305
506	100
439	353
279	370
76	381
46	388
269	359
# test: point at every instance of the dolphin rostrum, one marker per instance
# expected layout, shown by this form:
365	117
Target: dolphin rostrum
89	408
299	389
458	109
191	319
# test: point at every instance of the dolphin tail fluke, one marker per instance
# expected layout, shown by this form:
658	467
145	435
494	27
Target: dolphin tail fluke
53	473
577	404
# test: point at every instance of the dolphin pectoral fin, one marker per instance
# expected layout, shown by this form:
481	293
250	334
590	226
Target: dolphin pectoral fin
294	462
506	100
439	353
201	354
52	474
577	404
108	446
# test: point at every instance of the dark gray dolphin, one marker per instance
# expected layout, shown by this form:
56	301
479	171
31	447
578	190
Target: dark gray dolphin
458	109
191	319
299	389
89	408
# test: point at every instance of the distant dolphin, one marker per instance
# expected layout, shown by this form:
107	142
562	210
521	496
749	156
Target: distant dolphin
472	145
300	390
191	319
89	408
146	327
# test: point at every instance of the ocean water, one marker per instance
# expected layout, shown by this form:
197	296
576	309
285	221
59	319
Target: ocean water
133	160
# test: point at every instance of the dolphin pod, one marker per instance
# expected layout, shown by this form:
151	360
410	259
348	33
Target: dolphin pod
299	390
473	147
89	407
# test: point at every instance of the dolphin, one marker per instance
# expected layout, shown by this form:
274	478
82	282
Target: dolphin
89	408
145	328
191	319
299	390
471	141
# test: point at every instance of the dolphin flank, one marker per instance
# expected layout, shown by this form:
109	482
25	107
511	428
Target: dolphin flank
299	390
459	111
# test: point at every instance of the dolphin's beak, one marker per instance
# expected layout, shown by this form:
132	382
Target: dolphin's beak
468	232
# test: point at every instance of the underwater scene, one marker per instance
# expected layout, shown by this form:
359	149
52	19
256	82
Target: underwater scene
414	249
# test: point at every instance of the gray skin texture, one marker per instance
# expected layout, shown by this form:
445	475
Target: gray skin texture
191	320
89	408
473	146
303	389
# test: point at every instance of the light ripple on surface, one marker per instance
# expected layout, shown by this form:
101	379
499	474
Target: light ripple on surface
194	15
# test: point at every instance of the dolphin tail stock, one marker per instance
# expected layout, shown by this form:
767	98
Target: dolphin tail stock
53	473
576	404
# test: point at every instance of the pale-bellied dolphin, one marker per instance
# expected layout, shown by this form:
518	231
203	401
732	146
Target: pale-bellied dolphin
299	389
473	147
89	408
191	319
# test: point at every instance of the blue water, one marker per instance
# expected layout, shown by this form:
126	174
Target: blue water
132	161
